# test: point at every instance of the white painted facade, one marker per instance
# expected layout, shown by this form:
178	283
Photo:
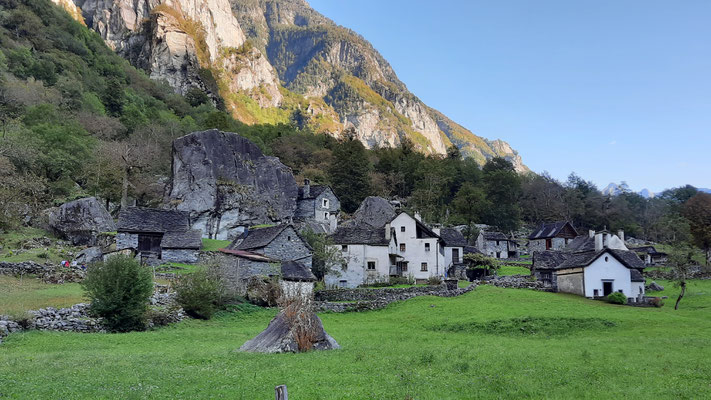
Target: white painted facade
606	268
425	257
364	264
450	253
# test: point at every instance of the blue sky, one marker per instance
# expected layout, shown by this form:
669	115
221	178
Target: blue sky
611	89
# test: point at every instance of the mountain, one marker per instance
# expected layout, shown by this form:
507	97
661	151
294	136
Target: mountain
647	194
614	189
278	61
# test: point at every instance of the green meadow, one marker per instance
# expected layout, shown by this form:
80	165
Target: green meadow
489	343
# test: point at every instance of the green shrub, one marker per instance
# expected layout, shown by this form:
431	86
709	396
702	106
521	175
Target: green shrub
263	291
119	290
399	280
434	280
617	298
200	293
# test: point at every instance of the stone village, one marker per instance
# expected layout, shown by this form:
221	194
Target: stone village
224	187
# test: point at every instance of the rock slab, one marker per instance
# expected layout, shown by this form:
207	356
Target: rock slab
279	337
81	221
227	184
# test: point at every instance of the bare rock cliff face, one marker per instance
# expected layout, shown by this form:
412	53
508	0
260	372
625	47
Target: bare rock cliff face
227	184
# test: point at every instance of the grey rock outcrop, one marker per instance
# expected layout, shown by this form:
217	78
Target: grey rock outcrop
227	184
374	211
655	287
279	337
80	221
89	255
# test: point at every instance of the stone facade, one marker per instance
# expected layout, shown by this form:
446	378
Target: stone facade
126	240
236	271
540	245
288	246
187	256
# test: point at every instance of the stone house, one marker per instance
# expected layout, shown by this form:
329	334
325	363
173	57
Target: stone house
280	242
419	249
297	281
366	255
454	244
143	230
551	236
237	267
497	245
181	246
650	255
595	267
318	203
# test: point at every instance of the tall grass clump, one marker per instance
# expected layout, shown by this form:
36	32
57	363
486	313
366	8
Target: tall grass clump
119	290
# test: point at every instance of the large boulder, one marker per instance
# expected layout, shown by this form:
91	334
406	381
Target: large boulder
227	184
81	221
280	337
374	211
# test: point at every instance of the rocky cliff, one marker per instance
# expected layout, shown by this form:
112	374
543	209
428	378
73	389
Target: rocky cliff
277	61
226	184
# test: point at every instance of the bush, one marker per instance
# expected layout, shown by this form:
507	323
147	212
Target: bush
399	280
119	290
200	293
657	302
617	298
434	280
263	291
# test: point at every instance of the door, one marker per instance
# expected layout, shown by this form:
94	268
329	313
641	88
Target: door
455	256
549	244
606	288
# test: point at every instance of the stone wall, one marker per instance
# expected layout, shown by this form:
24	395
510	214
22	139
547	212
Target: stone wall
48	273
515	282
288	246
236	271
180	256
125	240
374	299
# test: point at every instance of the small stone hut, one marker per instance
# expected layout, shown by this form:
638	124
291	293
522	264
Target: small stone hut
297	281
280	242
181	246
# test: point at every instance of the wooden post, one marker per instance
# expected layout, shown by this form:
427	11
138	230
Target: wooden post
281	393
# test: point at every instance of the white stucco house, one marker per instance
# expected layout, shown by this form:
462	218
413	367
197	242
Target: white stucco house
365	253
454	243
420	251
592	266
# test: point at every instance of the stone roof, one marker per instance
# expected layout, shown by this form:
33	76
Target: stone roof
258	238
191	239
471	250
248	255
550	230
648	250
627	258
360	234
452	237
636	276
153	220
314	191
494	236
296	271
549	259
581	243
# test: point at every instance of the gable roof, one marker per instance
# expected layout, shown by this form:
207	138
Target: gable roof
258	238
314	191
360	234
636	276
648	250
296	271
153	220
549	259
494	236
452	237
627	258
580	243
420	225
191	239
550	230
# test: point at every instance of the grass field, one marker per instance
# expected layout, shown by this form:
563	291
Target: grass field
18	295
513	270
489	343
214	244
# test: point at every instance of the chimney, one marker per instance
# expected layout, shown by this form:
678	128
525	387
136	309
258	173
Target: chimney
437	230
598	242
387	231
307	188
621	235
591	233
418	216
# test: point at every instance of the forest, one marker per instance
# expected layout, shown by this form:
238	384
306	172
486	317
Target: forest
78	120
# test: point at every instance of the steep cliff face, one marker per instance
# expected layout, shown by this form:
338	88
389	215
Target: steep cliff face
226	184
279	61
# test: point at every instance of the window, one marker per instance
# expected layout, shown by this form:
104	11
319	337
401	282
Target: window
325	215
423	267
371	265
427	247
325	203
343	283
402	229
455	256
498	254
344	247
607	258
497	243
596	293
402	247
